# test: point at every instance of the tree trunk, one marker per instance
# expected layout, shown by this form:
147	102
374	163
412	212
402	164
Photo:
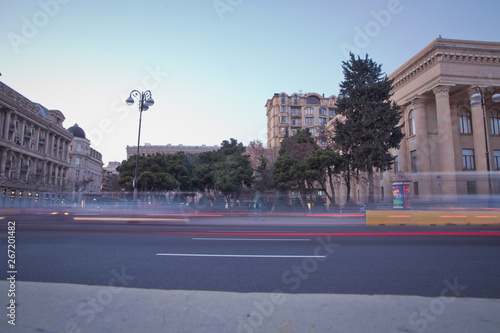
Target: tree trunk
330	180
371	186
348	184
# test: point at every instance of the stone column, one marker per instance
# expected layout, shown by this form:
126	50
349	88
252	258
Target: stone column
17	167
423	149
445	141
56	176
58	145
47	143
64	153
479	137
478	133
23	130
6	125
44	172
2	163
51	168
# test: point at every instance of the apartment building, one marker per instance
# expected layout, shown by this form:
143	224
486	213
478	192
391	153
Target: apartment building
286	114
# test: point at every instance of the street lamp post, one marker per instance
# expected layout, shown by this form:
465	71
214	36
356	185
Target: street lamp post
476	99
145	100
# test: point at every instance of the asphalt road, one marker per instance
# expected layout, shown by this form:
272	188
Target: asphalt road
292	255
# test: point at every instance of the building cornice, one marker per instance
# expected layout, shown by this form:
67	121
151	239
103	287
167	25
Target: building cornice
446	50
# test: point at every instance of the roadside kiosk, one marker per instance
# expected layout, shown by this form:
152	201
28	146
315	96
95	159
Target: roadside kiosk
401	192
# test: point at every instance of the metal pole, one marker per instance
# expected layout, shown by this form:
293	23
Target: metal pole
488	167
138	145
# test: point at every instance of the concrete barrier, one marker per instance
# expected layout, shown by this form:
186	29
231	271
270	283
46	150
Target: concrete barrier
432	218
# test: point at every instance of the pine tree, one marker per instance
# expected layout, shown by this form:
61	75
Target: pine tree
370	126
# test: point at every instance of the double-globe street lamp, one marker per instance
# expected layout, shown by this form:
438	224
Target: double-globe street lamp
476	99
145	100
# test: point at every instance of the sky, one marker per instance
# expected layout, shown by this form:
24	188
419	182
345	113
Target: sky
210	65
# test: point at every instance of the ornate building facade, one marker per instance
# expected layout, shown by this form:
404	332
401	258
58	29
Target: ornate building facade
451	146
34	148
286	114
86	172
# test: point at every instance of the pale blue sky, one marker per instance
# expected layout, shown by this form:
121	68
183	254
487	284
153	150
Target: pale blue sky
211	65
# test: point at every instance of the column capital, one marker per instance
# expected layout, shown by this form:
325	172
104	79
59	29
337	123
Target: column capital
418	102
441	91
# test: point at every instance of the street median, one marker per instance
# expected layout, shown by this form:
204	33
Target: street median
431	218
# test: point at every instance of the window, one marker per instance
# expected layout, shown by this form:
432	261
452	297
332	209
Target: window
322	121
295	111
309	111
495	122
294	131
331	112
414	165
471	187
396	164
468	159
321	193
311	131
322	111
283	108
411	123
282	130
77	160
282	98
295	99
309	120
465	122
79	147
77	173
496	159
295	122
313	100
415	189
283	119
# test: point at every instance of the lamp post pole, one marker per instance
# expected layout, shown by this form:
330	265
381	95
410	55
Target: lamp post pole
476	99
145	100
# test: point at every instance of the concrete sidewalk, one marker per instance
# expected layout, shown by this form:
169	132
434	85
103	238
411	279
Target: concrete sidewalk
58	308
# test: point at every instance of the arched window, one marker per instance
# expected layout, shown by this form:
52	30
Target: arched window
495	122
313	100
282	98
465	122
295	99
411	123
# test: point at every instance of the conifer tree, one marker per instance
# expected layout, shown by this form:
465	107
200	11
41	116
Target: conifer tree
370	125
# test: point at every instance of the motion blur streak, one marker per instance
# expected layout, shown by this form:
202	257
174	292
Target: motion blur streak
332	234
153	219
